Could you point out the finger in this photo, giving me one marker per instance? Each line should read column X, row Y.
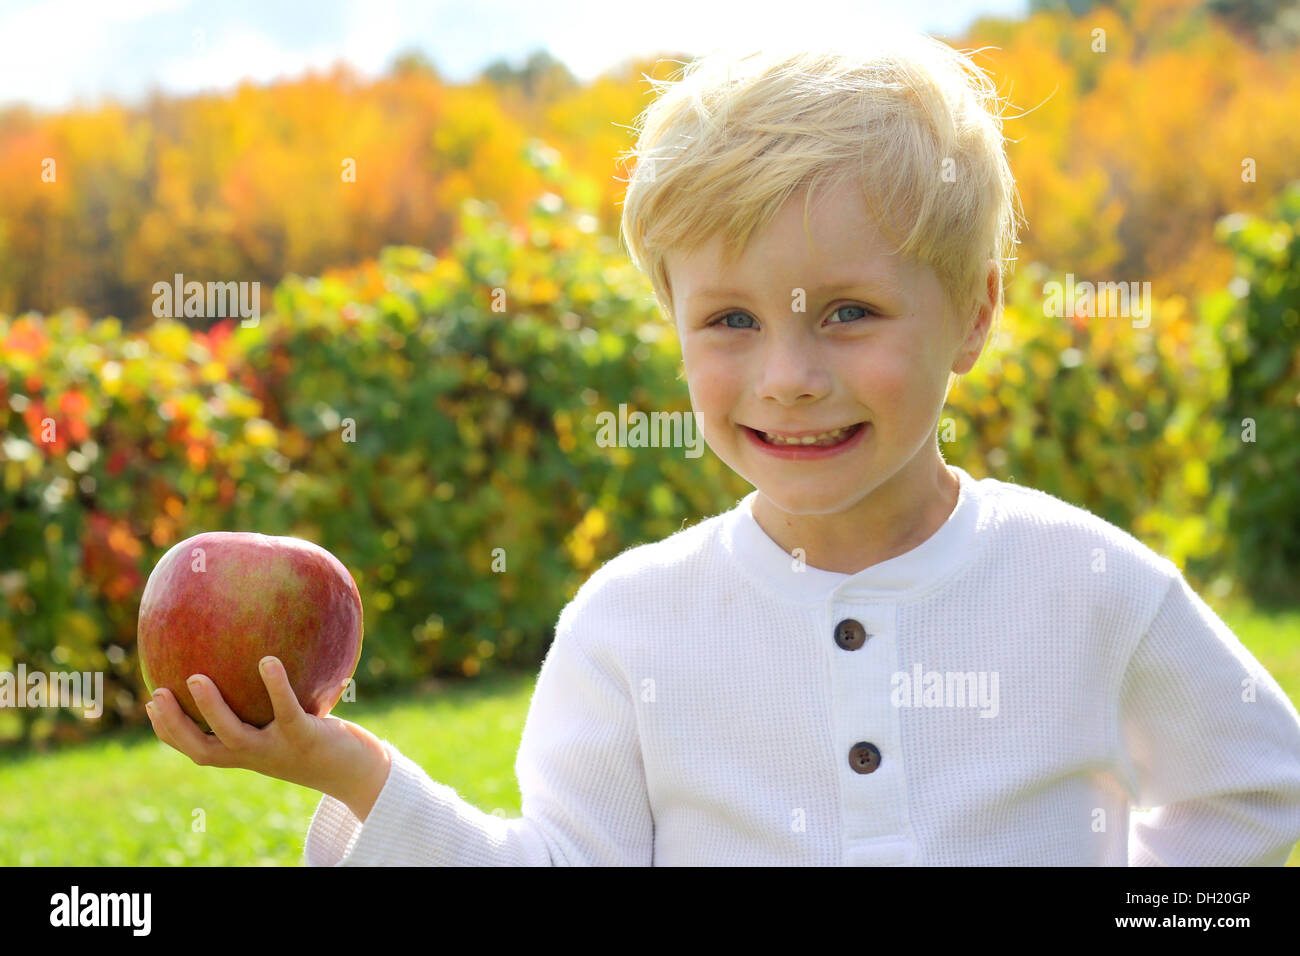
column 289, row 714
column 230, row 730
column 178, row 730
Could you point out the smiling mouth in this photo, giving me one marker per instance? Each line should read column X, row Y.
column 820, row 440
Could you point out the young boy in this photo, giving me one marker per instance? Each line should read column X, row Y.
column 873, row 659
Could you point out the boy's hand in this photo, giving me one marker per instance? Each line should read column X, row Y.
column 328, row 754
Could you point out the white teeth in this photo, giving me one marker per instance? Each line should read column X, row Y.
column 808, row 439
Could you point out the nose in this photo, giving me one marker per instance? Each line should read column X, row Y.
column 791, row 370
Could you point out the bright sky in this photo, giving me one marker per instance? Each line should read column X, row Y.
column 56, row 52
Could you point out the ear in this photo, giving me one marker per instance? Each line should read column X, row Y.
column 978, row 321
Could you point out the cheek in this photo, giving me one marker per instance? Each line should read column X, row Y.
column 713, row 401
column 881, row 378
column 713, row 379
column 891, row 385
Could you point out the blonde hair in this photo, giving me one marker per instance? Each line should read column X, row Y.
column 721, row 150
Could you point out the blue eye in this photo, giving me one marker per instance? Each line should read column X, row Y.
column 722, row 320
column 865, row 311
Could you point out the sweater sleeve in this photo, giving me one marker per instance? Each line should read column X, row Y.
column 582, row 788
column 1211, row 744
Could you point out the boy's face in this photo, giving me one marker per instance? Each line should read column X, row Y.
column 874, row 344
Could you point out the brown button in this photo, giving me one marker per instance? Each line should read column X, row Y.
column 864, row 757
column 850, row 635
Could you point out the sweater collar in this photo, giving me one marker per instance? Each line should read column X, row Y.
column 932, row 560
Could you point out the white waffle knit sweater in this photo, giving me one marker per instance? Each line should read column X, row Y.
column 697, row 707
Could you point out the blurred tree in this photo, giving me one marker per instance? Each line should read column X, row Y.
column 413, row 60
column 541, row 80
column 1269, row 23
column 1107, row 144
column 1259, row 314
column 1076, row 8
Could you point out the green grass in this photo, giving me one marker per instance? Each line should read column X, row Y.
column 131, row 800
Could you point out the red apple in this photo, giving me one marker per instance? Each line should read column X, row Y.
column 218, row 602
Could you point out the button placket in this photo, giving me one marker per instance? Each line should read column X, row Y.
column 866, row 724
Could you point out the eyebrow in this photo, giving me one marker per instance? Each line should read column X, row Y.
column 885, row 284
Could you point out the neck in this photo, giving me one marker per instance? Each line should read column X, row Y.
column 889, row 520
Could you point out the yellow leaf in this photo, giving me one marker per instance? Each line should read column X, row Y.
column 260, row 433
